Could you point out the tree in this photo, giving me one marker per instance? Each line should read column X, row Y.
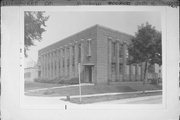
column 146, row 47
column 34, row 26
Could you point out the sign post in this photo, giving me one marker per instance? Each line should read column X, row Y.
column 79, row 69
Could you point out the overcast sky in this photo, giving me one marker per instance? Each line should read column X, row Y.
column 63, row 24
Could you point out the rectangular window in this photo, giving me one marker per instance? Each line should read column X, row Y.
column 63, row 52
column 73, row 55
column 55, row 54
column 113, row 68
column 89, row 47
column 121, row 51
column 68, row 56
column 73, row 61
column 68, row 62
column 113, row 48
column 48, row 66
column 39, row 73
column 59, row 64
column 127, row 54
column 79, row 48
column 121, row 68
column 55, row 65
column 133, row 70
column 52, row 65
column 63, row 60
column 73, row 70
column 127, row 69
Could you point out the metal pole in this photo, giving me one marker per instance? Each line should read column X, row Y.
column 79, row 68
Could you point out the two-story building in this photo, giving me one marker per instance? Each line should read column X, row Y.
column 102, row 53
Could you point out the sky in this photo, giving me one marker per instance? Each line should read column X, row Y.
column 63, row 24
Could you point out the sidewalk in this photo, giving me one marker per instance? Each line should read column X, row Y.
column 51, row 88
column 32, row 100
column 139, row 100
column 104, row 94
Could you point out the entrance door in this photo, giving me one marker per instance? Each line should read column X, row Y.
column 88, row 74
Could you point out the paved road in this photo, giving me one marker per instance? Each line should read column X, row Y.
column 140, row 100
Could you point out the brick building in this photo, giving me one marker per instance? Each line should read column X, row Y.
column 101, row 51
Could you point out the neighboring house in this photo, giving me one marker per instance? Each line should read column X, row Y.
column 102, row 52
column 30, row 73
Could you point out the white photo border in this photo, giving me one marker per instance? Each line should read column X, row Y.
column 13, row 106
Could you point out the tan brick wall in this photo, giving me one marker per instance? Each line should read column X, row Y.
column 102, row 57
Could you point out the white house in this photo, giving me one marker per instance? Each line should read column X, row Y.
column 30, row 71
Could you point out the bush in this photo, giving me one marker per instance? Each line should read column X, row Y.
column 53, row 81
column 72, row 81
column 154, row 81
column 62, row 80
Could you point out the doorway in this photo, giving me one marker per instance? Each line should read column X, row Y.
column 89, row 74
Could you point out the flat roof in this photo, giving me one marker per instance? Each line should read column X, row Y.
column 74, row 37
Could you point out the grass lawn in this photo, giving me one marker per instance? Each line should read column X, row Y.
column 86, row 90
column 94, row 99
column 37, row 85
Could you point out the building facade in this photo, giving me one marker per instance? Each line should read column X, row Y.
column 101, row 52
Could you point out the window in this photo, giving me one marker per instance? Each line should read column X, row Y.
column 113, row 48
column 48, row 66
column 63, row 62
column 89, row 47
column 55, row 54
column 79, row 48
column 139, row 70
column 73, row 61
column 59, row 64
column 55, row 67
column 113, row 67
column 120, row 68
column 73, row 55
column 63, row 53
column 39, row 73
column 63, row 59
column 133, row 70
column 68, row 62
column 121, row 51
column 127, row 53
column 68, row 52
column 52, row 65
column 68, row 57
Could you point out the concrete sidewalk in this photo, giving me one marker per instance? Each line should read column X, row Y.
column 57, row 100
column 139, row 100
column 105, row 94
column 51, row 88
